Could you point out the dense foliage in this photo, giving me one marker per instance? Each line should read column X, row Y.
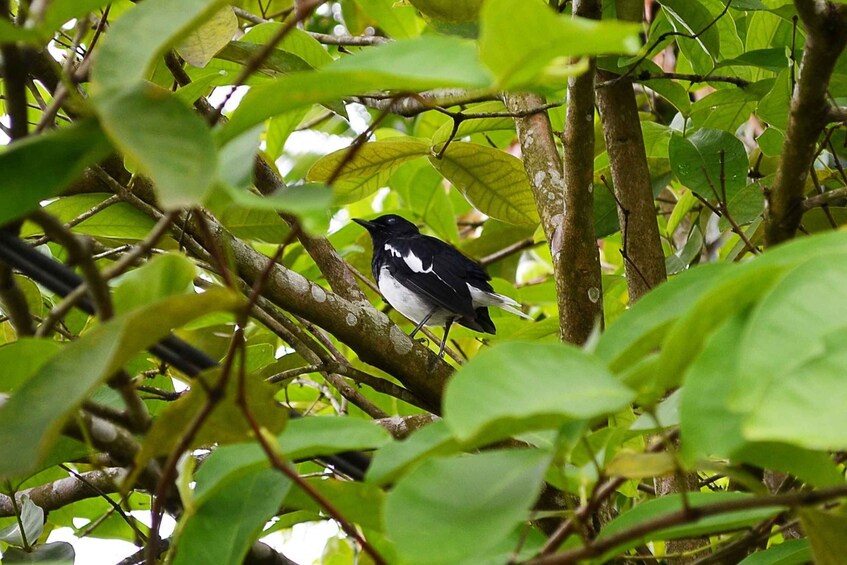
column 182, row 156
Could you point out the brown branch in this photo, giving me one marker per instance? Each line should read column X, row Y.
column 581, row 290
column 826, row 38
column 543, row 167
column 60, row 493
column 632, row 187
column 647, row 75
column 14, row 303
column 693, row 514
column 15, row 75
column 824, row 198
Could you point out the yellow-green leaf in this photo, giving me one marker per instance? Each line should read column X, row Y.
column 202, row 43
column 493, row 181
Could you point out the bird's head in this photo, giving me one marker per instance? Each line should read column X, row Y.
column 389, row 225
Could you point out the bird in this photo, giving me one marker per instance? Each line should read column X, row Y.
column 429, row 281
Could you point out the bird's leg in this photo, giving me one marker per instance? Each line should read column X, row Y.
column 444, row 340
column 422, row 322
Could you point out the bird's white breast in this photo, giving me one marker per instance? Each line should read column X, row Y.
column 407, row 302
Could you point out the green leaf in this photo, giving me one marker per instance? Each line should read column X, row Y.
column 31, row 419
column 225, row 525
column 700, row 41
column 773, row 108
column 642, row 327
column 226, row 424
column 55, row 553
column 140, row 36
column 663, row 506
column 416, row 64
column 310, row 202
column 302, row 438
column 696, row 161
column 371, row 161
column 433, row 514
column 163, row 276
column 396, row 457
column 39, row 167
column 22, row 358
column 708, row 426
column 826, row 535
column 167, row 140
column 31, row 517
column 121, row 220
column 202, row 43
column 476, row 125
column 798, row 339
column 495, row 395
column 789, row 552
column 277, row 62
column 10, row 33
column 63, row 11
column 360, row 503
column 449, row 10
column 519, row 40
column 493, row 181
column 296, row 41
column 398, row 21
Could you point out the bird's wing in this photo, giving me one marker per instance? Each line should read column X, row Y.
column 434, row 269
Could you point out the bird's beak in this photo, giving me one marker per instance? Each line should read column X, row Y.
column 365, row 224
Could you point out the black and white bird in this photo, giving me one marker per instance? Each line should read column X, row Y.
column 429, row 281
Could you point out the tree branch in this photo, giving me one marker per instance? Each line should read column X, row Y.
column 543, row 167
column 581, row 305
column 65, row 491
column 826, row 37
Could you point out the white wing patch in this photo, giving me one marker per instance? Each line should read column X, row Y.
column 391, row 250
column 414, row 262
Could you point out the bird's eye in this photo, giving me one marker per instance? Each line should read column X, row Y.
column 391, row 221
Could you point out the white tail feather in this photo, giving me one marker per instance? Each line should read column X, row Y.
column 483, row 298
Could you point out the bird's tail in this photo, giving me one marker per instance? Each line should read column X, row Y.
column 500, row 301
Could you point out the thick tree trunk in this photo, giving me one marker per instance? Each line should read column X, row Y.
column 583, row 299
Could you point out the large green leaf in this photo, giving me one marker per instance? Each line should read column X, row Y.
column 793, row 351
column 119, row 221
column 390, row 461
column 449, row 509
column 161, row 277
column 31, row 419
column 165, row 138
column 493, row 181
column 302, row 438
column 370, row 162
column 642, row 327
column 826, row 535
column 789, row 552
column 519, row 40
column 497, row 394
column 202, row 43
column 40, row 167
column 22, row 358
column 700, row 39
column 223, row 527
column 138, row 37
column 696, row 161
column 416, row 64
